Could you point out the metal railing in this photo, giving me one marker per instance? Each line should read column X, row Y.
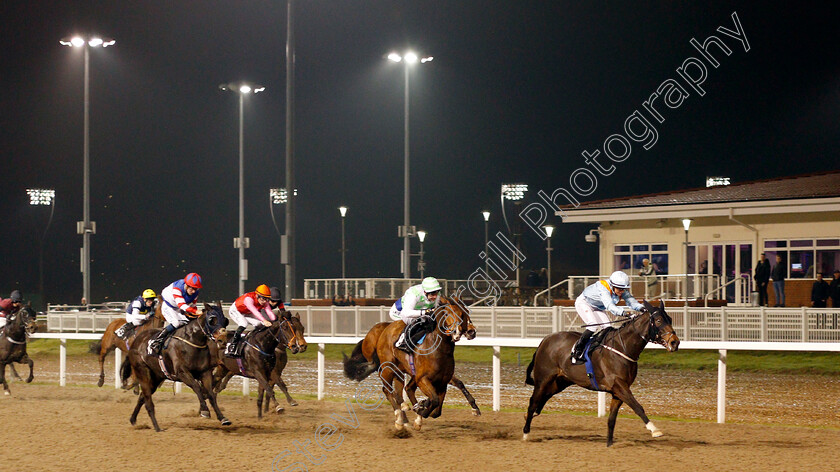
column 390, row 288
column 549, row 289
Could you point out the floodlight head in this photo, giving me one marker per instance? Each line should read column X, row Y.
column 343, row 210
column 686, row 223
column 486, row 215
column 277, row 195
column 421, row 235
column 40, row 196
column 514, row 191
column 245, row 88
column 394, row 57
column 410, row 57
column 77, row 42
column 95, row 42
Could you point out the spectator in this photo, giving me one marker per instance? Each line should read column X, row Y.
column 835, row 290
column 649, row 273
column 778, row 275
column 762, row 278
column 533, row 279
column 350, row 301
column 819, row 292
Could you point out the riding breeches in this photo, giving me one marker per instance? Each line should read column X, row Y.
column 2, row 321
column 136, row 320
column 591, row 316
column 241, row 320
column 173, row 316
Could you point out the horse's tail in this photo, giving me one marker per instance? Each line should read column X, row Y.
column 96, row 346
column 125, row 370
column 529, row 379
column 356, row 367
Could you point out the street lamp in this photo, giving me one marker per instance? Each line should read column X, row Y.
column 407, row 231
column 86, row 227
column 241, row 242
column 37, row 197
column 486, row 215
column 549, row 230
column 514, row 193
column 343, row 210
column 686, row 224
column 421, row 266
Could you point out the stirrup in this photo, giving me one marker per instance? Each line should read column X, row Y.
column 230, row 351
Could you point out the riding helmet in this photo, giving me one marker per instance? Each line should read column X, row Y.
column 264, row 291
column 15, row 296
column 275, row 295
column 193, row 280
column 149, row 293
column 619, row 279
column 430, row 284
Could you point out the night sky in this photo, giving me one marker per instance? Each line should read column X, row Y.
column 516, row 92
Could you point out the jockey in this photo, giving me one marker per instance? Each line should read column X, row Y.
column 178, row 307
column 596, row 301
column 413, row 306
column 248, row 309
column 138, row 312
column 10, row 306
column 276, row 300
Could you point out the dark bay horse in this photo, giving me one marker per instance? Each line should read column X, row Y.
column 111, row 341
column 365, row 351
column 13, row 343
column 615, row 365
column 186, row 358
column 258, row 361
column 282, row 360
column 432, row 365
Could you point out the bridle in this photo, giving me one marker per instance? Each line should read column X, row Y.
column 654, row 334
column 458, row 328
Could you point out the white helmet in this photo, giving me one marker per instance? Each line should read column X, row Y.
column 430, row 284
column 619, row 279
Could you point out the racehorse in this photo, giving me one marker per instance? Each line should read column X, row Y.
column 13, row 343
column 282, row 360
column 614, row 365
column 431, row 368
column 258, row 361
column 366, row 350
column 186, row 359
column 111, row 341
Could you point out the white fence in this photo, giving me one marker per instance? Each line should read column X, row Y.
column 380, row 287
column 721, row 329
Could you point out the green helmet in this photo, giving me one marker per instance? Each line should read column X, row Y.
column 430, row 284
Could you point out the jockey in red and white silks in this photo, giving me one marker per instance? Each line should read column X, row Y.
column 248, row 309
column 178, row 307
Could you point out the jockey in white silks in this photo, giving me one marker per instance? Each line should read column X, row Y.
column 178, row 307
column 411, row 308
column 138, row 312
column 596, row 301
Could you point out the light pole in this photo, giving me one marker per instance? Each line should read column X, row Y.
column 686, row 224
column 514, row 193
column 86, row 227
column 549, row 230
column 421, row 266
column 343, row 210
column 241, row 242
column 486, row 215
column 406, row 231
column 40, row 196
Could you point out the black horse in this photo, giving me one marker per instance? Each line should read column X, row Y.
column 258, row 361
column 614, row 364
column 282, row 360
column 13, row 343
column 186, row 359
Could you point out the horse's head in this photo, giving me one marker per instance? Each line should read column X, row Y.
column 660, row 330
column 284, row 331
column 215, row 321
column 24, row 317
column 452, row 317
column 299, row 330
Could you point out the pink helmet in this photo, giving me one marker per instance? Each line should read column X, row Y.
column 193, row 280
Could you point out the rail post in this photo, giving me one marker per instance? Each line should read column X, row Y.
column 721, row 387
column 497, row 378
column 321, row 350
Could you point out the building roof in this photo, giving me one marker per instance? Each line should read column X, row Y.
column 818, row 185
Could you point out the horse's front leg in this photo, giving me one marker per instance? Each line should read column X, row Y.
column 434, row 398
column 282, row 386
column 14, row 372
column 207, row 385
column 456, row 382
column 26, row 360
column 392, row 387
column 187, row 378
column 615, row 405
column 624, row 394
column 3, row 379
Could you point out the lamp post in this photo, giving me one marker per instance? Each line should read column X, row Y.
column 406, row 231
column 421, row 266
column 241, row 242
column 686, row 224
column 40, row 196
column 343, row 210
column 514, row 193
column 86, row 227
column 549, row 230
column 486, row 215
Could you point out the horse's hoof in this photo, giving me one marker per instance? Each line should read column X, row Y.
column 656, row 433
column 100, row 383
column 29, row 380
column 293, row 403
column 398, row 425
column 226, row 422
column 476, row 412
column 525, row 437
column 6, row 393
column 406, row 406
column 418, row 423
column 204, row 414
column 279, row 410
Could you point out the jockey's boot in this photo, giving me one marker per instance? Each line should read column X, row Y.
column 124, row 331
column 580, row 345
column 401, row 343
column 156, row 344
column 233, row 346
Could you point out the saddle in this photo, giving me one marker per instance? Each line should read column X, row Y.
column 416, row 333
column 596, row 341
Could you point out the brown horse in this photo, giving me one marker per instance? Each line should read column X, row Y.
column 258, row 361
column 433, row 364
column 282, row 360
column 111, row 341
column 366, row 350
column 13, row 343
column 615, row 364
column 186, row 359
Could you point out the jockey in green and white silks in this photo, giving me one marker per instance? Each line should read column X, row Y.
column 412, row 306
